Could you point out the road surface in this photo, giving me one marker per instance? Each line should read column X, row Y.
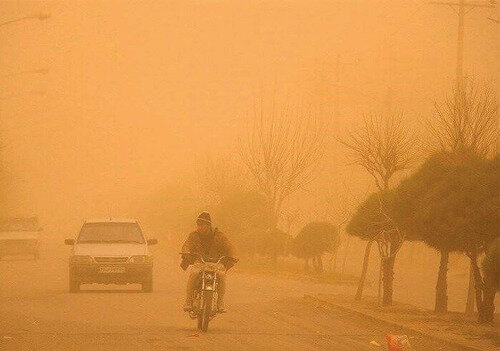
column 265, row 313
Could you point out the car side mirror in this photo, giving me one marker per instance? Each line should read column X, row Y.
column 152, row 242
column 69, row 242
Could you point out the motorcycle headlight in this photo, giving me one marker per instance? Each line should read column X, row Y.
column 81, row 259
column 140, row 259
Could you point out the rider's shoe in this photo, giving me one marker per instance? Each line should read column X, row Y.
column 221, row 308
column 187, row 307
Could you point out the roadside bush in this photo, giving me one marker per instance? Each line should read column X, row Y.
column 315, row 239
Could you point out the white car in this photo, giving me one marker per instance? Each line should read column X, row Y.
column 20, row 236
column 110, row 251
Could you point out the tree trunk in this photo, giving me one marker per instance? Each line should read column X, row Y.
column 488, row 308
column 273, row 242
column 333, row 262
column 362, row 278
column 491, row 277
column 484, row 296
column 379, row 282
column 274, row 257
column 441, row 303
column 469, row 307
column 478, row 284
column 346, row 252
column 388, row 278
column 306, row 264
column 320, row 263
column 315, row 264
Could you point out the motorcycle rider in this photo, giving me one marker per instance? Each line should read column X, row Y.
column 209, row 243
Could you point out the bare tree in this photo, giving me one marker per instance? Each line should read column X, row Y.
column 383, row 146
column 291, row 218
column 219, row 175
column 467, row 121
column 282, row 150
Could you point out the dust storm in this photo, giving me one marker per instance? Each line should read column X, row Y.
column 345, row 152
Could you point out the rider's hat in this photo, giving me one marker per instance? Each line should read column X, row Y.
column 204, row 217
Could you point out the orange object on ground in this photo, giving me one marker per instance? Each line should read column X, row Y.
column 397, row 342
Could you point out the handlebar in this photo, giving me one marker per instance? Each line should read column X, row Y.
column 211, row 260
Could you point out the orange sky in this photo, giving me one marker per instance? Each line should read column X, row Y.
column 139, row 91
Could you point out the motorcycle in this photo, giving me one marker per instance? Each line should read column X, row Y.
column 205, row 295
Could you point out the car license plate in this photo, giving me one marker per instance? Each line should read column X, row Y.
column 111, row 269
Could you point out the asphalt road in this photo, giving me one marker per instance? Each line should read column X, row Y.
column 265, row 313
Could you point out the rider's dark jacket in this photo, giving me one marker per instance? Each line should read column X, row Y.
column 213, row 245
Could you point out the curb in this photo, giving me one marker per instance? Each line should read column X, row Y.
column 391, row 323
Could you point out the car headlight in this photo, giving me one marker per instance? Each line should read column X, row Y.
column 80, row 259
column 140, row 259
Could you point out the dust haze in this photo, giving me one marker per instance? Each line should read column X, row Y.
column 158, row 110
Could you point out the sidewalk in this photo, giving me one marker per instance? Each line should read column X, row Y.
column 454, row 329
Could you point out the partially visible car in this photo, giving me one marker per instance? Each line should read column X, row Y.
column 110, row 251
column 20, row 236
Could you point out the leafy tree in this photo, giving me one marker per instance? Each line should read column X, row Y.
column 414, row 196
column 315, row 239
column 451, row 203
column 466, row 122
column 374, row 221
column 383, row 145
column 369, row 219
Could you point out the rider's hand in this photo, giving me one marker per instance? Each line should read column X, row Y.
column 187, row 260
column 184, row 264
column 188, row 257
column 229, row 262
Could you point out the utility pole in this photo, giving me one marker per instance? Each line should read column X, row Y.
column 322, row 89
column 329, row 103
column 462, row 8
column 460, row 43
column 41, row 16
column 336, row 102
column 340, row 64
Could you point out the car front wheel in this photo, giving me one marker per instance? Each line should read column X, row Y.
column 74, row 285
column 147, row 285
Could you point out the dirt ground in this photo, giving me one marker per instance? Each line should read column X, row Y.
column 455, row 327
column 265, row 312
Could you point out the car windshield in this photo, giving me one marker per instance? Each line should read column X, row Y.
column 19, row 225
column 111, row 233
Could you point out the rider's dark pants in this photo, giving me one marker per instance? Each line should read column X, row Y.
column 194, row 281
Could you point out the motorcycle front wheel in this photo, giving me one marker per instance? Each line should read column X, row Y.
column 206, row 310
